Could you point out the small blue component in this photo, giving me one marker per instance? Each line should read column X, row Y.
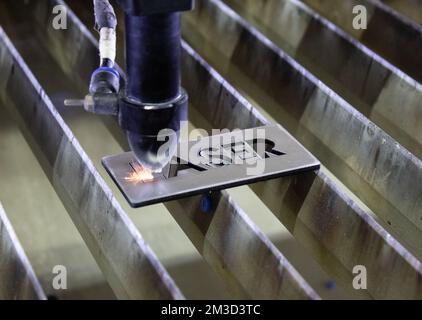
column 206, row 204
column 330, row 284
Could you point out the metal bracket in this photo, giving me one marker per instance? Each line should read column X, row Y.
column 213, row 163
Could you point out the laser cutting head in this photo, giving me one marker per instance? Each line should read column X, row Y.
column 153, row 130
column 149, row 101
column 154, row 102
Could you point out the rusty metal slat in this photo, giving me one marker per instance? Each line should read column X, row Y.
column 367, row 160
column 378, row 89
column 128, row 263
column 17, row 278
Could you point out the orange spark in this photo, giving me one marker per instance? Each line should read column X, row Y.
column 139, row 174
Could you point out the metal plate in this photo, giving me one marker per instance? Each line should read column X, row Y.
column 214, row 163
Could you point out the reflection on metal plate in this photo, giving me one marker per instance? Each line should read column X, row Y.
column 213, row 163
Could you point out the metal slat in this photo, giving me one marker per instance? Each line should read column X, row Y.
column 404, row 52
column 17, row 278
column 410, row 8
column 379, row 90
column 289, row 83
column 128, row 263
column 324, row 223
column 238, row 250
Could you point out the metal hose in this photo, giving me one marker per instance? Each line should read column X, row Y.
column 106, row 23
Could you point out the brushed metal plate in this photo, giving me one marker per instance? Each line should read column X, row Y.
column 218, row 162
